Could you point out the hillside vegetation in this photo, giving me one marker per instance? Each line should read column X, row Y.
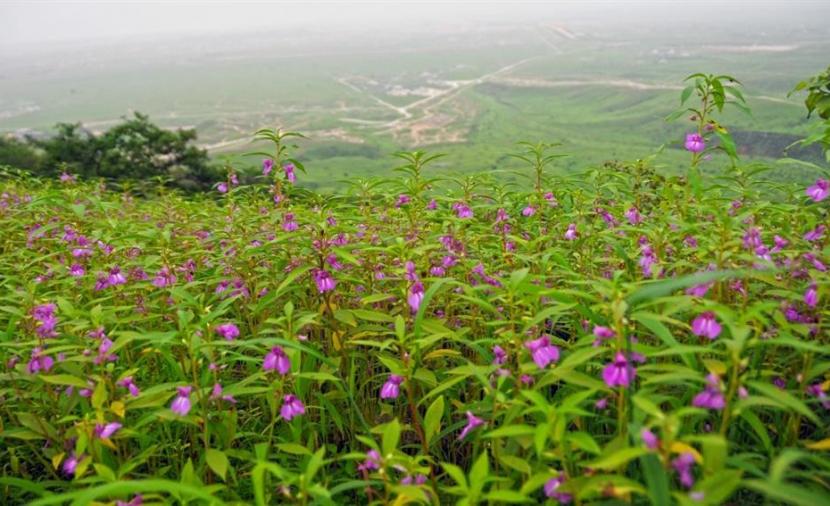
column 616, row 335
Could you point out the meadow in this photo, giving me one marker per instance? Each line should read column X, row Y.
column 617, row 335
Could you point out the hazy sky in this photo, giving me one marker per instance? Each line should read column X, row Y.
column 25, row 24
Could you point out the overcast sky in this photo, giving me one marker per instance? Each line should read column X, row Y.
column 35, row 22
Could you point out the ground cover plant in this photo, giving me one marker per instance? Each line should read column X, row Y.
column 617, row 336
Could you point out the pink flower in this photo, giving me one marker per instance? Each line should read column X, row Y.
column 128, row 383
column 277, row 360
column 105, row 431
column 70, row 464
column 552, row 490
column 500, row 356
column 633, row 216
column 705, row 325
column 571, row 233
column 391, row 389
column 683, row 464
column 181, row 404
column 528, row 211
column 228, row 330
column 650, row 439
column 695, row 143
column 372, row 462
column 542, row 351
column 222, row 187
column 711, row 397
column 618, row 373
column 416, row 296
column 819, row 190
column 291, row 407
column 472, row 422
column 324, row 281
column 289, row 172
column 267, row 166
column 811, row 296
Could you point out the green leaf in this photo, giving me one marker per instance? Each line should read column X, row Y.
column 218, row 462
column 391, row 436
column 616, row 459
column 784, row 399
column 657, row 479
column 432, row 419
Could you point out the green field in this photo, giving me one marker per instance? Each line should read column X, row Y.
column 471, row 94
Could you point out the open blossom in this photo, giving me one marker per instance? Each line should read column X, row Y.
column 633, row 216
column 462, row 210
column 819, row 191
column 472, row 422
column 76, row 270
column 39, row 362
column 618, row 373
column 181, row 404
column 46, row 321
column 415, row 296
column 277, row 360
column 694, row 143
column 683, row 464
column 222, row 187
column 391, row 389
column 811, row 296
column 291, row 407
column 815, row 234
column 499, row 355
column 228, row 330
column 289, row 172
column 105, row 431
column 288, row 223
column 542, row 351
column 216, row 394
column 267, row 166
column 711, row 397
column 324, row 281
column 705, row 325
column 528, row 211
column 552, row 490
column 130, row 385
column 165, row 277
column 651, row 441
column 571, row 233
column 70, row 464
column 372, row 462
column 403, row 199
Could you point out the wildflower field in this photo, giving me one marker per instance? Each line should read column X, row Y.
column 617, row 336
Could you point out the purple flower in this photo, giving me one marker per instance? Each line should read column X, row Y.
column 419, row 479
column 462, row 210
column 267, row 166
column 216, row 394
column 105, row 431
column 472, row 422
column 711, row 396
column 683, row 464
column 815, row 234
column 705, row 325
column 403, row 199
column 633, row 216
column 528, row 211
column 416, row 296
column 67, row 178
column 137, row 500
column 602, row 333
column 228, row 330
column 500, row 356
column 70, row 464
column 181, row 404
column 433, row 205
column 571, row 233
column 324, row 281
column 811, row 296
column 694, row 143
column 115, row 277
column 618, row 373
column 372, row 462
column 44, row 315
column 277, row 360
column 164, row 278
column 649, row 439
column 291, row 407
column 819, row 190
column 542, row 351
column 552, row 490
column 222, row 187
column 39, row 362
column 289, row 172
column 76, row 270
column 128, row 383
column 391, row 389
